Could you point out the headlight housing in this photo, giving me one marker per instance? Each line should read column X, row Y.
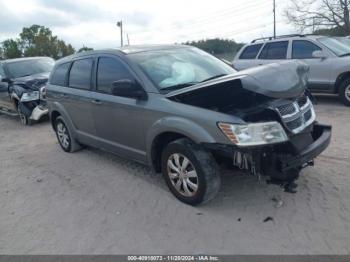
column 254, row 134
column 30, row 96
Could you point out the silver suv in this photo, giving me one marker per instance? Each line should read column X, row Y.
column 185, row 113
column 328, row 58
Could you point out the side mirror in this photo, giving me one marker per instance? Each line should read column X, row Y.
column 128, row 88
column 318, row 54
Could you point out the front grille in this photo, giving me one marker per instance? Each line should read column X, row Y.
column 302, row 101
column 286, row 109
column 308, row 115
column 297, row 115
column 294, row 124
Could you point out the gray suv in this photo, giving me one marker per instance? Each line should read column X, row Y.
column 187, row 115
column 328, row 58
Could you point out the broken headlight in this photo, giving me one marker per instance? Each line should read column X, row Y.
column 30, row 96
column 254, row 134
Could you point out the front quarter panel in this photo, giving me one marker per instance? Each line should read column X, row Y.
column 198, row 124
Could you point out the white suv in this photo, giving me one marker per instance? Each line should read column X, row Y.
column 328, row 58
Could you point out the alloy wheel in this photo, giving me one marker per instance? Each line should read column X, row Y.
column 182, row 174
column 347, row 92
column 63, row 135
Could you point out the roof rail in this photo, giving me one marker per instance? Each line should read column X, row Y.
column 277, row 37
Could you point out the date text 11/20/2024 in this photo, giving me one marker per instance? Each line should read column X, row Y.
column 174, row 258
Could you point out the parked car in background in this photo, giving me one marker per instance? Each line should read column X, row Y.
column 328, row 58
column 184, row 112
column 22, row 84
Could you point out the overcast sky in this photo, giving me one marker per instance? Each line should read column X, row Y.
column 93, row 22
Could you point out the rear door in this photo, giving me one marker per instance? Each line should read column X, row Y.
column 247, row 58
column 320, row 68
column 273, row 52
column 74, row 93
column 118, row 120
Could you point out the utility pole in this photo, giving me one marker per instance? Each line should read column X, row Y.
column 127, row 36
column 274, row 18
column 120, row 24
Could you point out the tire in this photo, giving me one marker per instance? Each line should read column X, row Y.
column 190, row 187
column 64, row 136
column 344, row 92
column 26, row 121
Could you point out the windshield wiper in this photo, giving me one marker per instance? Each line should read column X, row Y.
column 346, row 54
column 178, row 86
column 213, row 77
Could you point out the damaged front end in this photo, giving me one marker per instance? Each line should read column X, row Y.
column 280, row 135
column 29, row 96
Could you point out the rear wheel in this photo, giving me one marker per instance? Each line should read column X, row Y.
column 65, row 139
column 190, row 172
column 344, row 92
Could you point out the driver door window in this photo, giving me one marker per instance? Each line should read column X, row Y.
column 110, row 70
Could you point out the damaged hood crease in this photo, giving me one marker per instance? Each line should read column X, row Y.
column 32, row 82
column 287, row 79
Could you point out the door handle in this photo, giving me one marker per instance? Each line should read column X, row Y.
column 96, row 102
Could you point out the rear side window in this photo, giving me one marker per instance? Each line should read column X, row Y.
column 59, row 76
column 80, row 74
column 109, row 70
column 303, row 49
column 274, row 50
column 250, row 52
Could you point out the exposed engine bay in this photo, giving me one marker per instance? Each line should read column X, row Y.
column 295, row 113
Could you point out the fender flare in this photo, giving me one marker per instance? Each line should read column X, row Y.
column 56, row 106
column 177, row 125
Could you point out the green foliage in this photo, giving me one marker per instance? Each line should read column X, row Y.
column 36, row 40
column 217, row 46
column 84, row 49
column 335, row 31
column 11, row 49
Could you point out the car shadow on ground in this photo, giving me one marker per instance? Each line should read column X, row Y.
column 236, row 188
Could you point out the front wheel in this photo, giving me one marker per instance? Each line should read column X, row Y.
column 190, row 172
column 344, row 92
column 26, row 121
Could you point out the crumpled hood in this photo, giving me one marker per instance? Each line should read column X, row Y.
column 32, row 82
column 286, row 79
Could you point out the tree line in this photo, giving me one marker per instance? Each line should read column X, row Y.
column 37, row 40
column 217, row 46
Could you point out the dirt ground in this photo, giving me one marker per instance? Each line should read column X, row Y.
column 92, row 202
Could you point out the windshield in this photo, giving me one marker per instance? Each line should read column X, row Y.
column 30, row 67
column 336, row 45
column 179, row 67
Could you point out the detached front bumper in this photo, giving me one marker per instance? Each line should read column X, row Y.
column 283, row 161
column 322, row 138
column 34, row 110
column 38, row 112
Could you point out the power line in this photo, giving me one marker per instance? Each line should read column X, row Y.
column 204, row 21
column 233, row 24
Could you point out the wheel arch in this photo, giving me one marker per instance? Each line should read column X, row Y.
column 56, row 110
column 341, row 77
column 53, row 116
column 170, row 129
